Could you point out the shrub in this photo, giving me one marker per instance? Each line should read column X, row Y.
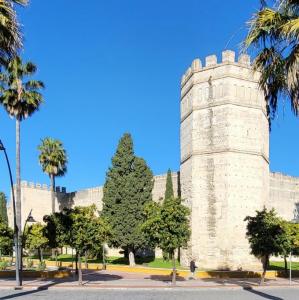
column 29, row 263
column 41, row 266
column 3, row 265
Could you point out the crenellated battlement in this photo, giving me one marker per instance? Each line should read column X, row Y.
column 228, row 57
column 39, row 186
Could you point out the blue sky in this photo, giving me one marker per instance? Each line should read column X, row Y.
column 115, row 66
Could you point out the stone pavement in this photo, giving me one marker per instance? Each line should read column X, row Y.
column 116, row 279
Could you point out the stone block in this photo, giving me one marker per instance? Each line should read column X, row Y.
column 228, row 56
column 211, row 60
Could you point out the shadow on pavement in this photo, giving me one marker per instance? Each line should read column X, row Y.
column 88, row 277
column 20, row 294
column 261, row 294
column 164, row 278
column 246, row 284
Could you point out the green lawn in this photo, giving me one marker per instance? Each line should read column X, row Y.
column 148, row 262
column 279, row 265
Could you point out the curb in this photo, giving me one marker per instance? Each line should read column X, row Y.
column 146, row 287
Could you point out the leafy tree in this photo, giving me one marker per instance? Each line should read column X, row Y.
column 53, row 160
column 6, row 238
column 167, row 227
column 104, row 232
column 20, row 98
column 35, row 239
column 274, row 33
column 266, row 236
column 290, row 241
column 128, row 187
column 10, row 34
column 169, row 186
column 168, row 194
column 58, row 229
column 3, row 209
column 87, row 231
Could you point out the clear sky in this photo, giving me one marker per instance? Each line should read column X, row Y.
column 115, row 66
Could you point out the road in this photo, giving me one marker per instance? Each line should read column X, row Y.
column 155, row 294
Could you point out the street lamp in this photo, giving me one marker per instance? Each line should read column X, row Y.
column 16, row 229
column 29, row 219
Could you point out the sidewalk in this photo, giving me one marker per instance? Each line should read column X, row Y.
column 113, row 279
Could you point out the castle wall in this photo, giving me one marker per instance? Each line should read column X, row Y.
column 38, row 198
column 224, row 159
column 284, row 195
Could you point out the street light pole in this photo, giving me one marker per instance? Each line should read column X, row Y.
column 29, row 219
column 16, row 229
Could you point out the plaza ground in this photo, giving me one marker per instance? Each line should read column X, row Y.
column 122, row 279
column 150, row 294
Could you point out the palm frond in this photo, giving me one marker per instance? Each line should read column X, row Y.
column 274, row 33
column 20, row 99
column 10, row 34
column 53, row 157
column 34, row 85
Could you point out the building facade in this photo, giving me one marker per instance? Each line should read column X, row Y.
column 224, row 173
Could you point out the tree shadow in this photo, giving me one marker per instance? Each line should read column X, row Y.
column 90, row 276
column 261, row 294
column 65, row 200
column 247, row 285
column 24, row 293
column 165, row 278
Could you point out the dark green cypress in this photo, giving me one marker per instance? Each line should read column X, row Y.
column 169, row 186
column 128, row 187
column 3, row 209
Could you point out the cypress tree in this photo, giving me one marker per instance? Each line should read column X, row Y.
column 3, row 209
column 128, row 187
column 169, row 186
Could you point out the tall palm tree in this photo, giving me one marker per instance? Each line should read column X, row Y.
column 10, row 35
column 20, row 97
column 53, row 160
column 274, row 34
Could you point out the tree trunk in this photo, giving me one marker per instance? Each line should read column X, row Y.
column 104, row 260
column 76, row 261
column 52, row 192
column 86, row 265
column 285, row 265
column 80, row 270
column 173, row 281
column 131, row 258
column 39, row 254
column 265, row 262
column 52, row 179
column 18, row 194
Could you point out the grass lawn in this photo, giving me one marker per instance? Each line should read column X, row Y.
column 279, row 265
column 113, row 260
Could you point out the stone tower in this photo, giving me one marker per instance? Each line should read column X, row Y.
column 224, row 158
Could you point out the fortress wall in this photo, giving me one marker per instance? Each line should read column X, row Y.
column 284, row 195
column 224, row 158
column 38, row 198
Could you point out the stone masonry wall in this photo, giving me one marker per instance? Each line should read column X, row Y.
column 38, row 197
column 284, row 195
column 224, row 158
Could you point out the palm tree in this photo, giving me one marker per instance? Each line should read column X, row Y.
column 10, row 35
column 53, row 160
column 274, row 33
column 20, row 98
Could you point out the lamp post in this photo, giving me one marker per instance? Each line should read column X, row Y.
column 29, row 219
column 16, row 229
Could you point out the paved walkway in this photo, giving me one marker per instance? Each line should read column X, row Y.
column 113, row 279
